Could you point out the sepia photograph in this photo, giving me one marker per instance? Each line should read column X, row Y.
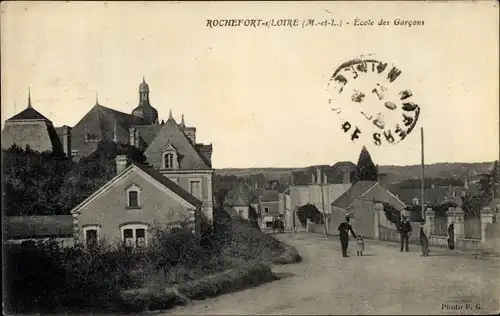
column 250, row 157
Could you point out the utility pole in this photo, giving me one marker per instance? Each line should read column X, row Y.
column 323, row 201
column 422, row 183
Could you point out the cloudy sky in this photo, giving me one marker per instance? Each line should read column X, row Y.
column 259, row 94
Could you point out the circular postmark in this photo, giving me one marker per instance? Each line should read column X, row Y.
column 371, row 103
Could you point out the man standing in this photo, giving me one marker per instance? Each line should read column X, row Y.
column 344, row 229
column 404, row 231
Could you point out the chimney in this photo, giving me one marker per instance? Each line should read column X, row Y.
column 312, row 178
column 291, row 179
column 121, row 163
column 132, row 136
column 66, row 140
column 318, row 175
column 346, row 176
column 325, row 179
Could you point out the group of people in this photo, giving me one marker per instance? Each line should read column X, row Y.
column 404, row 229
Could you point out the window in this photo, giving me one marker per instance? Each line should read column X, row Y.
column 134, row 235
column 195, row 188
column 133, row 199
column 91, row 235
column 169, row 157
column 415, row 201
column 266, row 209
column 133, row 196
column 169, row 161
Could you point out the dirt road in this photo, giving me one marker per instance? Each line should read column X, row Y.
column 384, row 281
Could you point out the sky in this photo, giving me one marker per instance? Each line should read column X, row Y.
column 259, row 95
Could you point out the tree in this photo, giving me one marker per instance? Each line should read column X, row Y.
column 366, row 169
column 490, row 183
column 31, row 181
column 95, row 170
column 309, row 211
column 253, row 217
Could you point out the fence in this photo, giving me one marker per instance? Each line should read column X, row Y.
column 472, row 228
column 440, row 226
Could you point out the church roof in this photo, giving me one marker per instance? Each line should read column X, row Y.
column 29, row 114
column 101, row 122
column 190, row 157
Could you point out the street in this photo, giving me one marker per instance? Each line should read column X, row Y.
column 383, row 281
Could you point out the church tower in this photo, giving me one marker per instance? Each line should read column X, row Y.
column 145, row 110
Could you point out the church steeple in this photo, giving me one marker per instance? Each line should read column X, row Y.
column 144, row 110
column 29, row 97
column 144, row 91
column 170, row 117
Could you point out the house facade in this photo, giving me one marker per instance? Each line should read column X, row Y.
column 128, row 206
column 358, row 201
column 319, row 192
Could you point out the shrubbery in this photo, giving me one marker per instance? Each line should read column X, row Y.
column 44, row 277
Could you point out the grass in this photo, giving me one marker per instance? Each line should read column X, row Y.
column 175, row 268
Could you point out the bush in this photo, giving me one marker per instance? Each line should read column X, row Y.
column 228, row 281
column 43, row 277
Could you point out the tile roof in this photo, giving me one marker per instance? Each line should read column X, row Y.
column 432, row 196
column 270, row 196
column 169, row 184
column 170, row 132
column 25, row 227
column 355, row 191
column 29, row 114
column 101, row 121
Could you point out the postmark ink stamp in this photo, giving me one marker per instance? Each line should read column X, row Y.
column 370, row 102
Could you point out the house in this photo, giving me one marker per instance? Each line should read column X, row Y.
column 319, row 192
column 358, row 201
column 30, row 128
column 19, row 229
column 135, row 200
column 433, row 195
column 270, row 207
column 237, row 199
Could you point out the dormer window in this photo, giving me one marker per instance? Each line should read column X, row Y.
column 169, row 161
column 133, row 197
column 170, row 158
column 415, row 201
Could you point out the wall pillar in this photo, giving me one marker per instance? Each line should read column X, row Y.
column 430, row 216
column 378, row 208
column 456, row 216
column 486, row 218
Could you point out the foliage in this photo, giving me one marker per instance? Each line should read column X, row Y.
column 31, row 181
column 309, row 211
column 391, row 213
column 253, row 217
column 428, row 182
column 95, row 170
column 489, row 186
column 366, row 169
column 46, row 278
column 441, row 209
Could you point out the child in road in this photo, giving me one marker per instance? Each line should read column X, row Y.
column 361, row 245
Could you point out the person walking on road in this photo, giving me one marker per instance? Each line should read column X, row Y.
column 404, row 231
column 344, row 229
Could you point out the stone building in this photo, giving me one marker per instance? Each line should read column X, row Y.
column 31, row 128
